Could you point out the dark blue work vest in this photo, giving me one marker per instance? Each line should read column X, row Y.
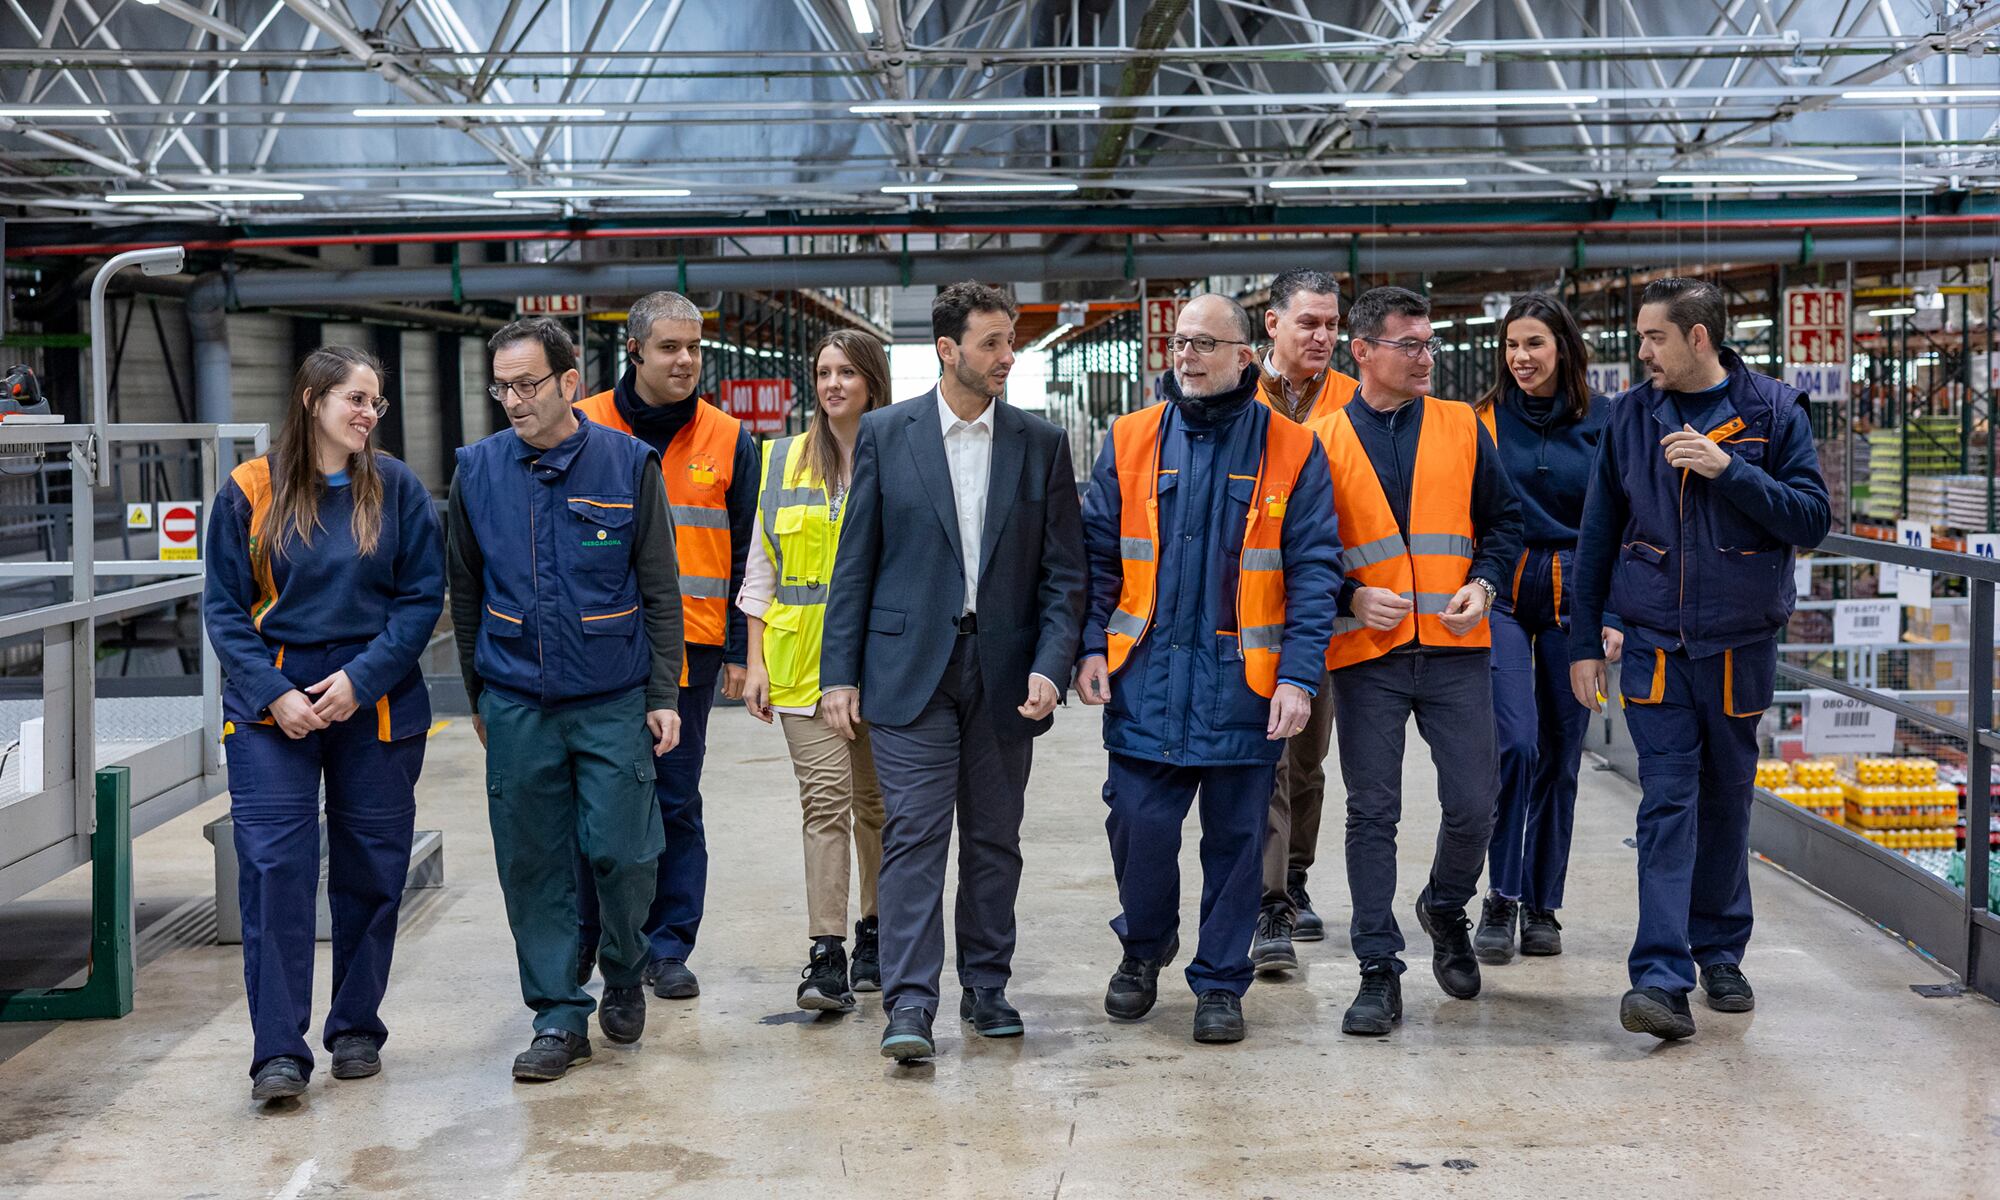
column 562, row 622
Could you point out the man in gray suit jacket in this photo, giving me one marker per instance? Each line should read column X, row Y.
column 956, row 605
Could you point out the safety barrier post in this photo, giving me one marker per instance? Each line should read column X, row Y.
column 107, row 989
column 1978, row 774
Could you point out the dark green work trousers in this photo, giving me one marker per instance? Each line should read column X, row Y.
column 560, row 784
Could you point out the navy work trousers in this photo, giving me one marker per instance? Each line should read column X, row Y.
column 1149, row 803
column 371, row 815
column 1694, row 724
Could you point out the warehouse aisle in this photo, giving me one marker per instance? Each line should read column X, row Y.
column 1844, row 1082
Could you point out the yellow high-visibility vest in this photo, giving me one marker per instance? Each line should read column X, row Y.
column 802, row 535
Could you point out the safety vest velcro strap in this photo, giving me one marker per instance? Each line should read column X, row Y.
column 1263, row 560
column 1133, row 549
column 799, row 595
column 1262, row 637
column 704, row 587
column 1369, row 553
column 1125, row 624
column 1441, row 543
column 1432, row 603
column 694, row 516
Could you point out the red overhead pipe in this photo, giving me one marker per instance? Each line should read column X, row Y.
column 628, row 234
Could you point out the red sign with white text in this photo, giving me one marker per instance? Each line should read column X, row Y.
column 761, row 404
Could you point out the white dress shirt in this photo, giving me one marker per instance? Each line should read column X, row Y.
column 968, row 452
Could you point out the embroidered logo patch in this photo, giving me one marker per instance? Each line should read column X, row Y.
column 702, row 471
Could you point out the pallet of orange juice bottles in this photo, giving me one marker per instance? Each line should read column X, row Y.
column 1813, row 785
column 1899, row 804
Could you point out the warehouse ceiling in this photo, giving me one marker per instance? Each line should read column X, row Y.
column 299, row 111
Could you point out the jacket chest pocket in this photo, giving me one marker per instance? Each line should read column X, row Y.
column 597, row 543
column 1239, row 493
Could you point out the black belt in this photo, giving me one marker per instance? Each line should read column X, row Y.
column 968, row 623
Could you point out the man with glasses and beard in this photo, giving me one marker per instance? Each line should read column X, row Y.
column 1429, row 530
column 566, row 608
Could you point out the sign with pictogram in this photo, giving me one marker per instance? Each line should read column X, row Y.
column 1815, row 325
column 138, row 516
column 180, row 523
column 1161, row 314
column 761, row 404
column 548, row 306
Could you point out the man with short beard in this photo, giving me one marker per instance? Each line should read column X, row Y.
column 1212, row 555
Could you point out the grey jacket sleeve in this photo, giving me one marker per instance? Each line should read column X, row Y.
column 658, row 568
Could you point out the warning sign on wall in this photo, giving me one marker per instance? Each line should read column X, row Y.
column 180, row 525
column 1161, row 315
column 138, row 516
column 1815, row 325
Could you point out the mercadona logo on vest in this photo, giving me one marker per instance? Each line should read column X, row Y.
column 603, row 538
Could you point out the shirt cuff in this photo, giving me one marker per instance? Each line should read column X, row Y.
column 839, row 687
column 1310, row 689
column 1045, row 679
column 753, row 606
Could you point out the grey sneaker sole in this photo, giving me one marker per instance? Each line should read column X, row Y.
column 1640, row 1013
column 867, row 985
column 906, row 1047
column 814, row 1000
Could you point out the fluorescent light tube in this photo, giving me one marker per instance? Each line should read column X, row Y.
column 862, row 16
column 971, row 108
column 523, row 111
column 1759, row 177
column 1355, row 182
column 1892, row 312
column 1923, row 93
column 587, row 193
column 197, row 197
column 30, row 112
column 1754, row 323
column 1477, row 100
column 1442, row 324
column 910, row 189
column 1478, row 321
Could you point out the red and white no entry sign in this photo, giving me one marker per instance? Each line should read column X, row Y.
column 179, row 525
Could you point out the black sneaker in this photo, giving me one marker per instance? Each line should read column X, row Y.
column 1494, row 942
column 280, row 1079
column 1218, row 1017
column 1541, row 933
column 989, row 1012
column 670, row 979
column 864, row 971
column 550, row 1056
column 622, row 1013
column 1378, row 1005
column 1726, row 989
column 825, row 988
column 586, row 964
column 1306, row 924
column 1271, row 947
column 356, row 1056
column 1657, row 1011
column 1135, row 986
column 908, row 1035
column 1452, row 960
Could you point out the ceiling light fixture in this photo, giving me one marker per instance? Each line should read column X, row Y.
column 1754, row 323
column 911, row 189
column 1442, row 324
column 1478, row 321
column 430, row 112
column 199, row 197
column 1759, row 177
column 589, row 193
column 1923, row 93
column 1043, row 342
column 862, row 16
column 1472, row 100
column 971, row 108
column 33, row 112
column 1354, row 182
column 1892, row 312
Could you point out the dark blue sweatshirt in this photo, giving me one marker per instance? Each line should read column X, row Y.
column 324, row 593
column 1547, row 456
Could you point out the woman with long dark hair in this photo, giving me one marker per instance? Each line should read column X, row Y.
column 800, row 505
column 325, row 580
column 1546, row 423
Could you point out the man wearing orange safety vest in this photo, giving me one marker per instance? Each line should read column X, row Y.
column 1209, row 525
column 1429, row 527
column 1298, row 380
column 710, row 464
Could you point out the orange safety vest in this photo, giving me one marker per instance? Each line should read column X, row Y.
column 1429, row 568
column 697, row 466
column 1260, row 578
column 1335, row 390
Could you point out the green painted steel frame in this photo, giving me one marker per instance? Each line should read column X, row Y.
column 107, row 990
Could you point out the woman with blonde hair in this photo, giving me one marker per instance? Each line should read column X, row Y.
column 805, row 481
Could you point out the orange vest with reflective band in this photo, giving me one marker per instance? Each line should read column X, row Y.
column 1433, row 564
column 1334, row 393
column 697, row 466
column 1260, row 579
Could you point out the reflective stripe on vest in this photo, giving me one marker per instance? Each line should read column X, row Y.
column 1432, row 566
column 802, row 535
column 1260, row 586
column 696, row 466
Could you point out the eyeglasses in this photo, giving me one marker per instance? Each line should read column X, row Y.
column 1202, row 343
column 1409, row 349
column 524, row 388
column 363, row 402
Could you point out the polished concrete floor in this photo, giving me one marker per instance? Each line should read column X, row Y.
column 1843, row 1083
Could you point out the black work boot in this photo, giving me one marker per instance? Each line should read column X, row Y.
column 356, row 1056
column 1541, row 933
column 1271, row 946
column 1218, row 1017
column 1726, row 989
column 280, row 1079
column 622, row 1013
column 864, row 970
column 989, row 1012
column 1306, row 924
column 1379, row 1004
column 1657, row 1011
column 550, row 1056
column 1494, row 942
column 908, row 1035
column 825, row 987
column 1135, row 986
column 670, row 979
column 1452, row 960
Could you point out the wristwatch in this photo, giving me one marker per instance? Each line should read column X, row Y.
column 1492, row 593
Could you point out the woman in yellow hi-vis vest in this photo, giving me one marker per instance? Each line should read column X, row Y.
column 784, row 595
